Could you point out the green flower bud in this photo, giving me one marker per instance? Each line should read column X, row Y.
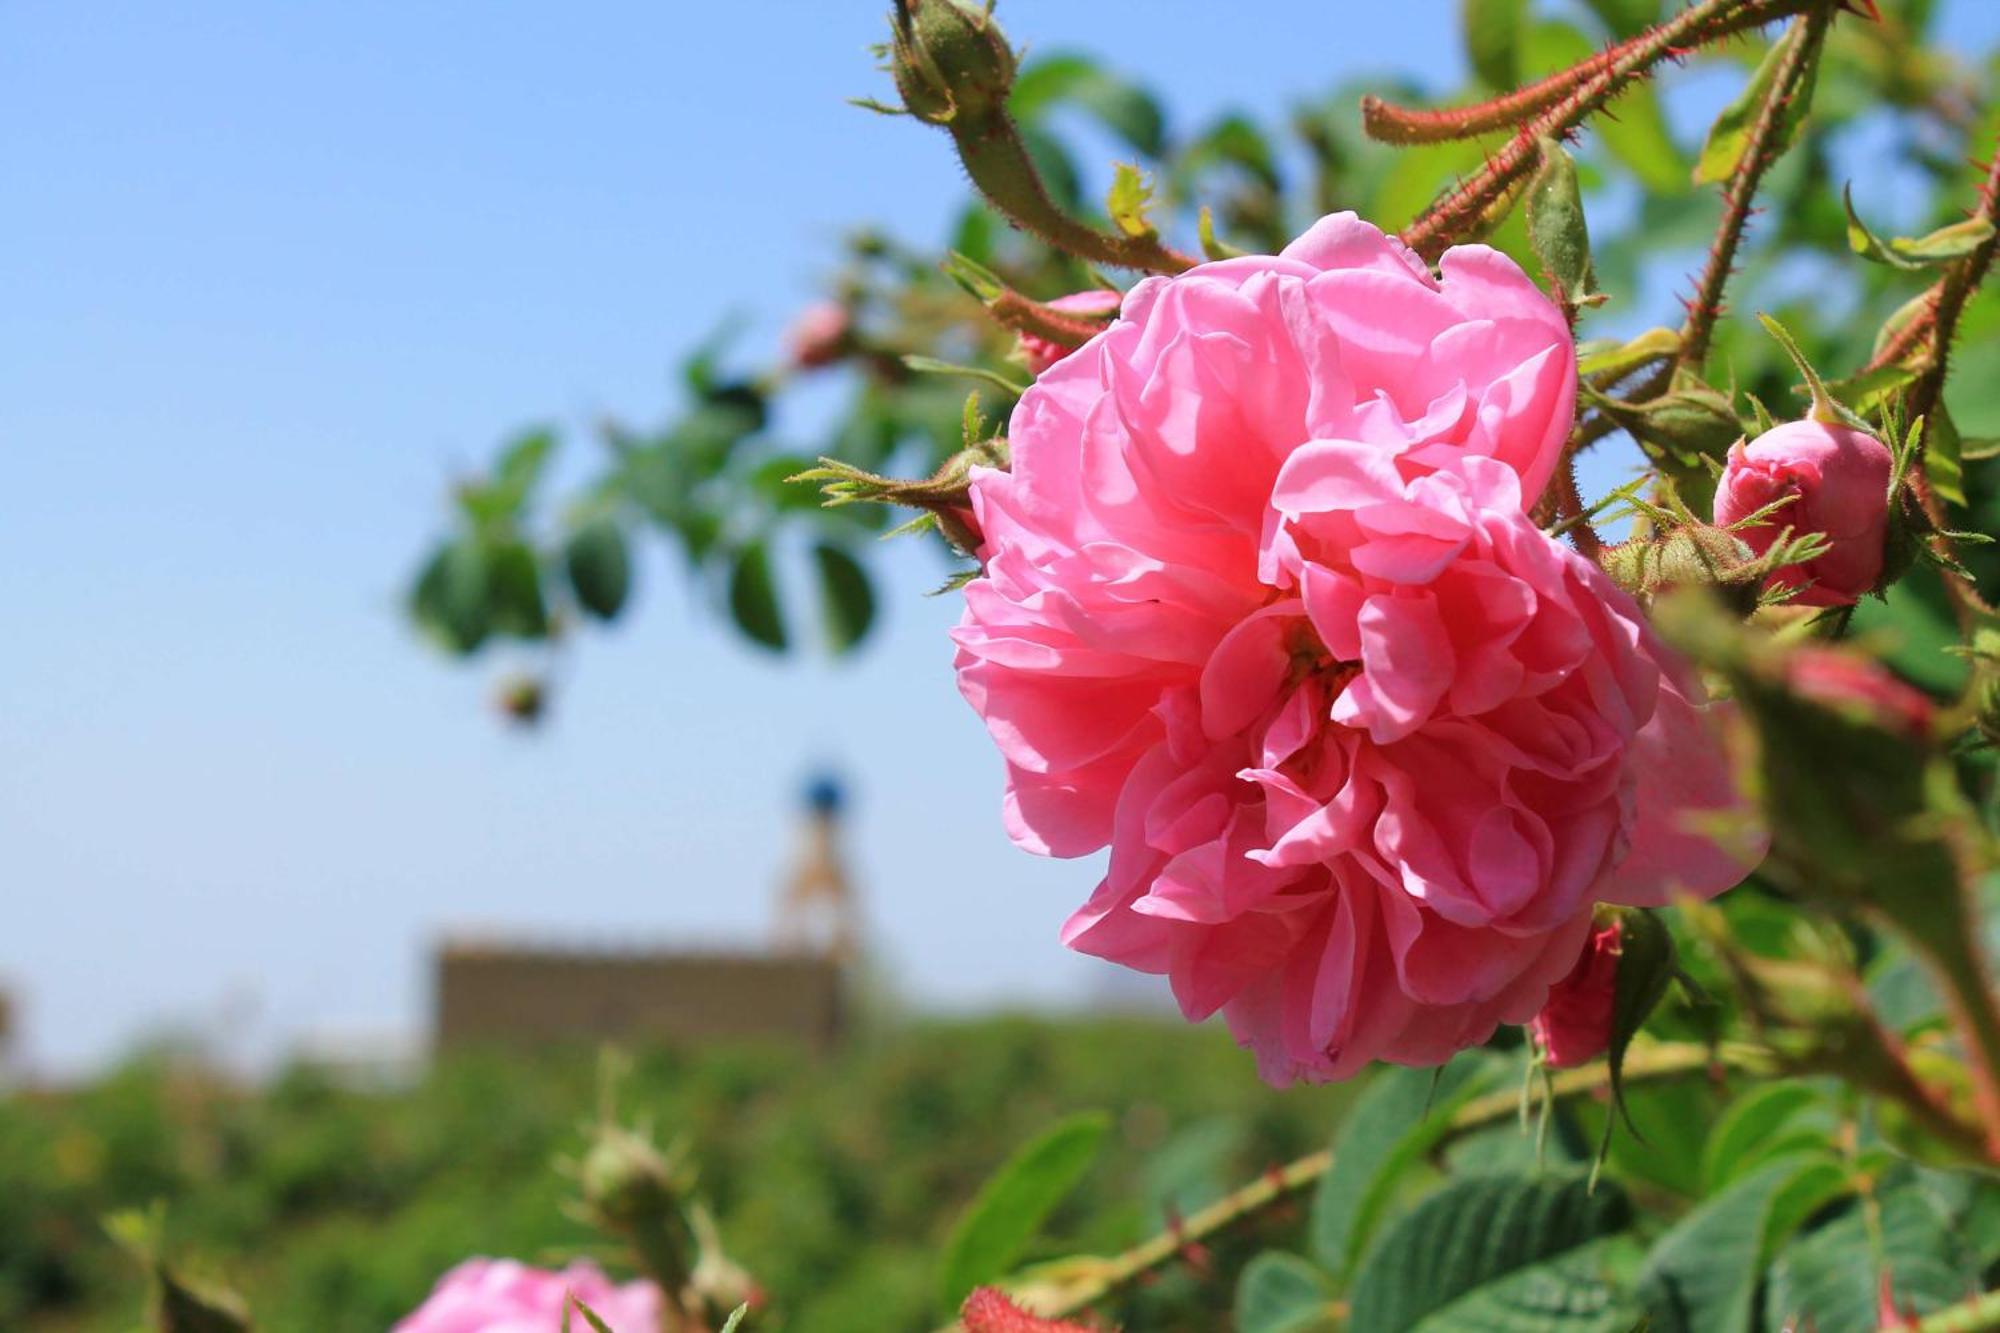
column 950, row 63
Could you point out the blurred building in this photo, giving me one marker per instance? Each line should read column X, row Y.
column 533, row 992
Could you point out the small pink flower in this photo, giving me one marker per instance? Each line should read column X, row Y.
column 1840, row 478
column 1040, row 353
column 1262, row 611
column 820, row 335
column 1861, row 686
column 503, row 1296
column 1574, row 1027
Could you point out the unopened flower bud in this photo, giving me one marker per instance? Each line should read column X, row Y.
column 951, row 62
column 1837, row 481
column 1040, row 353
column 1574, row 1026
column 987, row 1310
column 822, row 334
column 626, row 1181
column 1860, row 687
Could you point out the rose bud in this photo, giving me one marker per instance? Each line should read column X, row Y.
column 1097, row 304
column 1574, row 1026
column 500, row 1293
column 1861, row 687
column 820, row 336
column 1838, row 478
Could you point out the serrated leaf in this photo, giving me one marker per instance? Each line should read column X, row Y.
column 1475, row 1231
column 1584, row 1290
column 753, row 598
column 1010, row 1208
column 599, row 567
column 846, row 597
column 1557, row 230
column 1492, row 31
column 1702, row 1275
column 1728, row 139
column 1830, row 1279
column 1283, row 1293
column 1398, row 1118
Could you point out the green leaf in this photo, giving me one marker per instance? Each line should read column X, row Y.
column 1615, row 360
column 1282, row 1293
column 1729, row 137
column 846, row 598
column 1944, row 462
column 1397, row 1119
column 736, row 1318
column 448, row 600
column 930, row 365
column 1747, row 1131
column 1702, row 1275
column 1557, row 230
column 1626, row 18
column 753, row 598
column 1124, row 108
column 1829, row 1280
column 599, row 567
column 1474, row 1231
column 1901, row 252
column 1492, row 31
column 1011, row 1207
column 1128, row 200
column 514, row 591
column 1584, row 1290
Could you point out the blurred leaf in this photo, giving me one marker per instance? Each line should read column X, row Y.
column 1282, row 1293
column 599, row 567
column 1124, row 108
column 1830, row 1279
column 1943, row 466
column 1237, row 141
column 736, row 1318
column 847, row 599
column 1702, row 1275
column 1626, row 18
column 514, row 591
column 1055, row 166
column 1397, row 1120
column 1729, row 137
column 753, row 598
column 1492, row 31
column 449, row 597
column 1901, row 252
column 1916, row 620
column 1011, row 1207
column 1745, row 1134
column 1583, row 1290
column 1474, row 1231
column 574, row 1304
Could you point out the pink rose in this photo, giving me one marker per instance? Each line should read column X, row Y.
column 1840, row 478
column 1262, row 611
column 502, row 1296
column 1861, row 686
column 819, row 336
column 1574, row 1026
column 1092, row 305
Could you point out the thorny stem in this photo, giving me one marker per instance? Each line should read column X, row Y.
column 1761, row 149
column 1390, row 123
column 1024, row 315
column 1667, row 1060
column 1467, row 201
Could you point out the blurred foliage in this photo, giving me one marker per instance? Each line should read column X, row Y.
column 334, row 1208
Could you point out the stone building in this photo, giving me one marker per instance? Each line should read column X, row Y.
column 515, row 991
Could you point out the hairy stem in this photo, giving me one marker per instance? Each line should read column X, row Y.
column 1761, row 149
column 998, row 163
column 1391, row 123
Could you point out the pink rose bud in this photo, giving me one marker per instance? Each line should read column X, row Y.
column 1093, row 305
column 481, row 1295
column 1574, row 1027
column 1839, row 477
column 1860, row 686
column 820, row 335
column 987, row 1310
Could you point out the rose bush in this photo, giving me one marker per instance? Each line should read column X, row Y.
column 1262, row 611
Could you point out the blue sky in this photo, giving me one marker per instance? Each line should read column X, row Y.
column 271, row 273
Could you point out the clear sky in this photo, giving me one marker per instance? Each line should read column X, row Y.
column 268, row 274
